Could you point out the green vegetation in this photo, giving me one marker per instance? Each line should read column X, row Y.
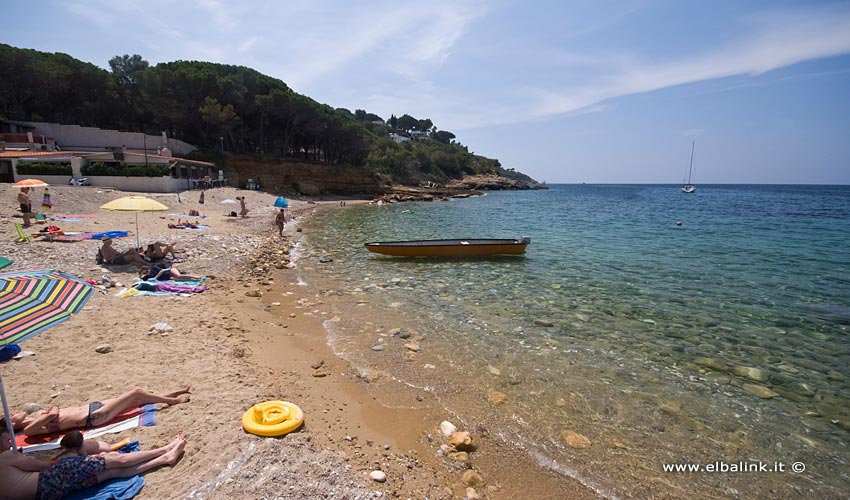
column 49, row 168
column 119, row 170
column 223, row 108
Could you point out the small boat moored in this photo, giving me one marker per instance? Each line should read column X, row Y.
column 450, row 248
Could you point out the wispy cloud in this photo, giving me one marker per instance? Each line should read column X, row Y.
column 772, row 41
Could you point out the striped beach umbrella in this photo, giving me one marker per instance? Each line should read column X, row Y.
column 33, row 301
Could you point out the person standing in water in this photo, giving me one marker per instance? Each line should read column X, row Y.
column 280, row 221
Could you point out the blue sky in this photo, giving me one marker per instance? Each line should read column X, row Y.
column 566, row 91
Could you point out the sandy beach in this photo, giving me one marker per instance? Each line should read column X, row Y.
column 255, row 335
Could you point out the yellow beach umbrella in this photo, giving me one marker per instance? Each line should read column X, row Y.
column 135, row 204
column 30, row 183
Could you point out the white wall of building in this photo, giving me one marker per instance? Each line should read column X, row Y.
column 77, row 138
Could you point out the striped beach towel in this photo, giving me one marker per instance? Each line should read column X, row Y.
column 142, row 416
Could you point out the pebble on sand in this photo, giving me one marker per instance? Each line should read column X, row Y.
column 379, row 476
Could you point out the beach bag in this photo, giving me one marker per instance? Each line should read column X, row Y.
column 9, row 351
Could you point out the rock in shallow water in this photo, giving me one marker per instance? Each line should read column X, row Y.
column 759, row 391
column 575, row 440
column 496, row 398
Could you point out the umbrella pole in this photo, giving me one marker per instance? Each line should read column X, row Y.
column 7, row 414
column 137, row 231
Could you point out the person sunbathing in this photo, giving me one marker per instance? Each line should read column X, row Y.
column 26, row 477
column 147, row 272
column 183, row 225
column 112, row 256
column 158, row 251
column 75, row 443
column 95, row 413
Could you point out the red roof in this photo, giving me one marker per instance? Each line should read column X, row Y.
column 27, row 154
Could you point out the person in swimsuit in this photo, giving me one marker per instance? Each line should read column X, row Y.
column 113, row 256
column 158, row 251
column 26, row 206
column 280, row 220
column 93, row 414
column 24, row 476
column 165, row 274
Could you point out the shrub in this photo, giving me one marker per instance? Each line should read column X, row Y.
column 118, row 170
column 47, row 168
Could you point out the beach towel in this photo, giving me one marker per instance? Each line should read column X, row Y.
column 163, row 288
column 196, row 228
column 118, row 489
column 142, row 416
column 114, row 489
column 111, row 234
column 67, row 219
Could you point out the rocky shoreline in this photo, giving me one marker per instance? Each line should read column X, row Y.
column 471, row 185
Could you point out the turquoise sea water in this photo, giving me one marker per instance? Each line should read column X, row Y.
column 657, row 342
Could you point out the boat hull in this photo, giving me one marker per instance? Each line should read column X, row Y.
column 449, row 248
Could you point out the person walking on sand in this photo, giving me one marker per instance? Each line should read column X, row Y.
column 244, row 211
column 26, row 205
column 280, row 220
column 93, row 414
column 201, row 199
column 26, row 477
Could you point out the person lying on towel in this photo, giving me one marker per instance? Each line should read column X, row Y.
column 91, row 415
column 24, row 476
column 168, row 287
column 147, row 272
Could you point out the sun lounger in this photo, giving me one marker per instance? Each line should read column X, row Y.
column 22, row 236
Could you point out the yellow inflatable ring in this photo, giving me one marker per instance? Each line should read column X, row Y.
column 272, row 418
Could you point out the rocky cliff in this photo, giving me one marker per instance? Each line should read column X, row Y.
column 317, row 179
column 308, row 179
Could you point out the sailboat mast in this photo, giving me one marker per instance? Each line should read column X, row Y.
column 691, row 168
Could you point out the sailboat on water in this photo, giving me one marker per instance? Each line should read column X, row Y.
column 690, row 188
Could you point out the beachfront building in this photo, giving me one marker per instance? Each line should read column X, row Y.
column 129, row 161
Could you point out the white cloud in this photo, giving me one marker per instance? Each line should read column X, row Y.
column 774, row 41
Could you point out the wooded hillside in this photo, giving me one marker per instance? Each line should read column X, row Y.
column 223, row 108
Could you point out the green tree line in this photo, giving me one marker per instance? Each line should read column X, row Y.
column 228, row 108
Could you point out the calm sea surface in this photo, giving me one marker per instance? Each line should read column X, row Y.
column 725, row 339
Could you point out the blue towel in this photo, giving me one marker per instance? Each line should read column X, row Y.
column 111, row 234
column 118, row 489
